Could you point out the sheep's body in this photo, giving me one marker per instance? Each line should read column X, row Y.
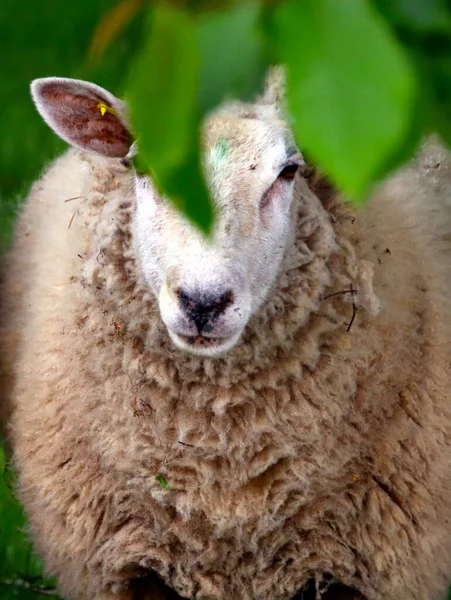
column 306, row 450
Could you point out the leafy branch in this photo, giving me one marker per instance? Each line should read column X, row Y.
column 355, row 82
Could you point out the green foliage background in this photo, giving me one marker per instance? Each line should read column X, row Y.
column 366, row 80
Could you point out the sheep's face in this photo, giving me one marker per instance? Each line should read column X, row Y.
column 207, row 289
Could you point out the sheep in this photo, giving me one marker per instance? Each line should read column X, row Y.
column 262, row 414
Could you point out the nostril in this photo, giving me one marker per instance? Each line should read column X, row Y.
column 183, row 296
column 224, row 301
column 187, row 302
column 203, row 308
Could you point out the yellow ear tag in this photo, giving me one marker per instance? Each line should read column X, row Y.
column 104, row 108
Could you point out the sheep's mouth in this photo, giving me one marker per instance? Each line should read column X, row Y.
column 204, row 345
column 202, row 341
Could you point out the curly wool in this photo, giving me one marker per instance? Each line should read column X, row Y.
column 319, row 445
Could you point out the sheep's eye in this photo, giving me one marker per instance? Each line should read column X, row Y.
column 289, row 171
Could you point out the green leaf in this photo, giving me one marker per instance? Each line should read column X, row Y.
column 162, row 481
column 231, row 51
column 186, row 187
column 162, row 89
column 162, row 95
column 350, row 88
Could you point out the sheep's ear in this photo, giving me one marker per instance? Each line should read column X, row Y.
column 83, row 114
column 274, row 89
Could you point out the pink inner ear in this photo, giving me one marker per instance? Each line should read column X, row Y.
column 74, row 113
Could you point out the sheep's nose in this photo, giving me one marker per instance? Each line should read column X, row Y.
column 203, row 309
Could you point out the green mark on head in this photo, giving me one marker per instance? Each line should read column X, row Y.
column 223, row 147
column 220, row 152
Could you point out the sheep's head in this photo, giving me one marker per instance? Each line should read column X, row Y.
column 207, row 288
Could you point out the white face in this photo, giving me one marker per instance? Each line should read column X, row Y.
column 207, row 289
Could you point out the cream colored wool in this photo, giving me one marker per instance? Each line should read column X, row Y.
column 307, row 450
